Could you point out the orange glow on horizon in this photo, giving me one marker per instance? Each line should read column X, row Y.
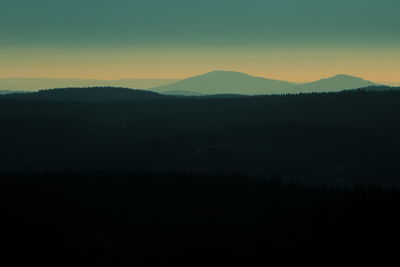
column 301, row 65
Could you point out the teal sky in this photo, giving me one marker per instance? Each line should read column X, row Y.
column 162, row 27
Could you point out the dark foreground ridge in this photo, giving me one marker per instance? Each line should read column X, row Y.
column 87, row 94
column 339, row 138
column 183, row 219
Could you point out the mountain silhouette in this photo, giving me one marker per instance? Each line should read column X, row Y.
column 89, row 94
column 332, row 84
column 212, row 83
column 227, row 82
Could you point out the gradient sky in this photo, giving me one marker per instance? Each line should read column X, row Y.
column 297, row 40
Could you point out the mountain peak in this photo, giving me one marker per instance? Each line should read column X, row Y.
column 227, row 82
column 345, row 76
column 226, row 72
column 336, row 83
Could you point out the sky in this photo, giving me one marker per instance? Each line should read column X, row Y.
column 295, row 40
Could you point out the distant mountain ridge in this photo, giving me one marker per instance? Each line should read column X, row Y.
column 212, row 83
column 89, row 94
column 336, row 83
column 35, row 84
column 226, row 82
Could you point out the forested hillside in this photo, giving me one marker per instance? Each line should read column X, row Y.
column 337, row 137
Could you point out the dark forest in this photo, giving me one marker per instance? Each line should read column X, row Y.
column 153, row 180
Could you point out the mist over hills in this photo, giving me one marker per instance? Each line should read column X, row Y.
column 35, row 84
column 390, row 83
